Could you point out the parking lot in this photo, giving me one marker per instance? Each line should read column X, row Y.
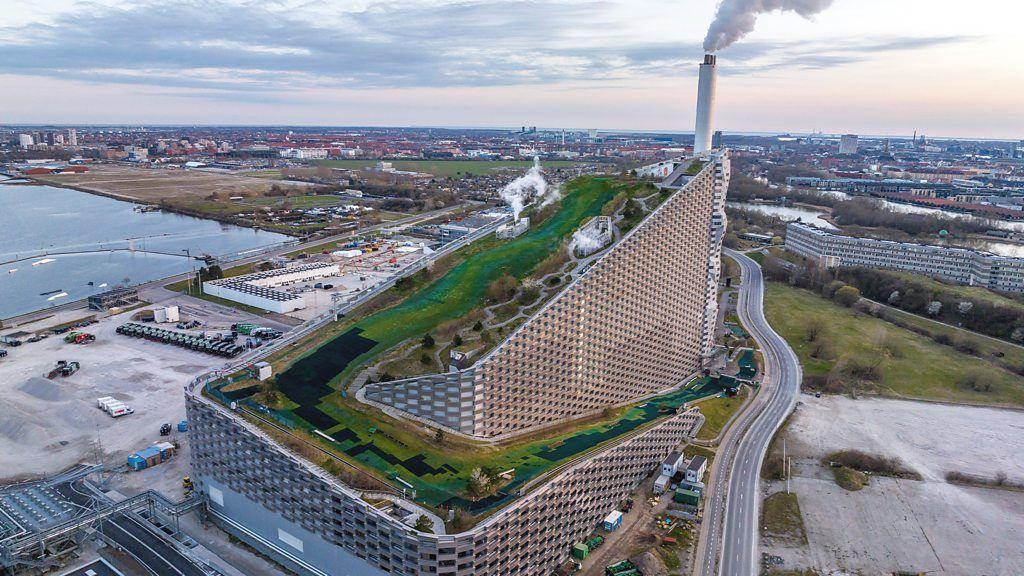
column 48, row 424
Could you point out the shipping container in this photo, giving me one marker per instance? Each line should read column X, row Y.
column 613, row 521
column 145, row 458
column 684, row 496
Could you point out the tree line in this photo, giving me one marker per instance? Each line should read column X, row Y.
column 943, row 303
column 861, row 211
column 872, row 213
column 744, row 189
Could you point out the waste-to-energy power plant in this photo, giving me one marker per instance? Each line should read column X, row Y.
column 636, row 323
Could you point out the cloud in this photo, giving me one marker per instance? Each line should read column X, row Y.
column 282, row 49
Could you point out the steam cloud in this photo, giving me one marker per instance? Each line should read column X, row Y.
column 520, row 191
column 736, row 18
column 585, row 240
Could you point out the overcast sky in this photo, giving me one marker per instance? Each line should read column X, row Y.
column 943, row 68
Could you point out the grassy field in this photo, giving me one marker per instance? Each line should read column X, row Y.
column 781, row 519
column 156, row 185
column 225, row 209
column 717, row 412
column 269, row 174
column 446, row 167
column 998, row 352
column 908, row 365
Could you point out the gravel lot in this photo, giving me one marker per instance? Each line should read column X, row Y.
column 903, row 525
column 48, row 425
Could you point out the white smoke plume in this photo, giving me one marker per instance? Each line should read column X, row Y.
column 554, row 194
column 736, row 18
column 518, row 193
column 586, row 240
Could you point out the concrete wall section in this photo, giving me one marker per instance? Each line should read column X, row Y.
column 287, row 543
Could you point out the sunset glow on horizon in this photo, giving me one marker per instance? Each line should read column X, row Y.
column 863, row 66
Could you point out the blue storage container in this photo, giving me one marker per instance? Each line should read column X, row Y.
column 183, row 426
column 145, row 458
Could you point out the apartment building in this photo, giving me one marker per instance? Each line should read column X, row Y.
column 960, row 265
column 638, row 321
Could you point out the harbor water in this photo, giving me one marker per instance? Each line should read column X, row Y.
column 61, row 245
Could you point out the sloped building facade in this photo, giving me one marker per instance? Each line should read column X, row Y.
column 639, row 321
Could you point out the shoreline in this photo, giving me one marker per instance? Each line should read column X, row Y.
column 33, row 181
column 27, row 316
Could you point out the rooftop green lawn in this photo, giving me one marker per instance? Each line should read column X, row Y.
column 695, row 167
column 919, row 368
column 439, row 471
column 446, row 167
column 463, row 288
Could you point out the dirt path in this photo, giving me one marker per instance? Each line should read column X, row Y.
column 635, row 533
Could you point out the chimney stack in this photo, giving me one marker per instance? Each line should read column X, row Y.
column 704, row 127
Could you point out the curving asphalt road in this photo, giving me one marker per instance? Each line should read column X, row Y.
column 729, row 539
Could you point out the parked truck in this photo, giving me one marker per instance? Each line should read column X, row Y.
column 113, row 406
column 624, row 568
column 184, row 340
column 63, row 368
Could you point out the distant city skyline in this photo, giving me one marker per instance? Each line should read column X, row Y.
column 859, row 67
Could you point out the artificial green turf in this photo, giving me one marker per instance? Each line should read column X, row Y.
column 439, row 473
